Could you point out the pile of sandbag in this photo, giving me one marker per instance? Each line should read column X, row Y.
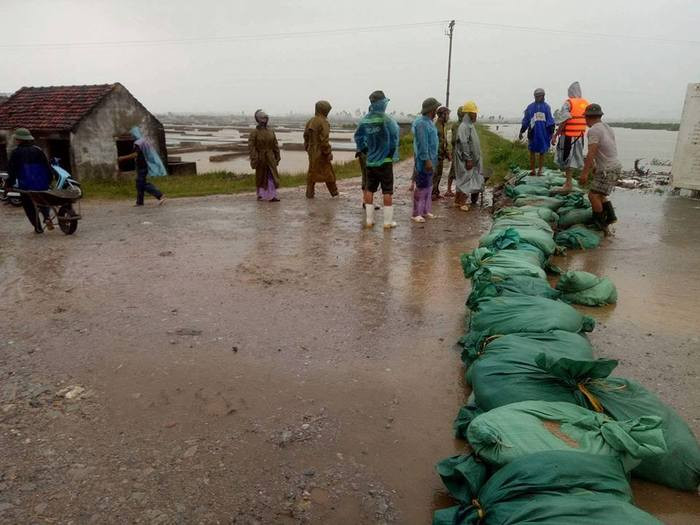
column 546, row 420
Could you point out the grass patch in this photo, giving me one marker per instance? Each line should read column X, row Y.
column 500, row 154
column 216, row 183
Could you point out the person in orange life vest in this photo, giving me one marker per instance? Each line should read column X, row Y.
column 570, row 133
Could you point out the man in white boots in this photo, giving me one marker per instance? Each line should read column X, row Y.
column 377, row 136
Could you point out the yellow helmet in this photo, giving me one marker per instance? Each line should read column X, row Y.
column 470, row 107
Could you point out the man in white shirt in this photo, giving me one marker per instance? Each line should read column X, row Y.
column 602, row 161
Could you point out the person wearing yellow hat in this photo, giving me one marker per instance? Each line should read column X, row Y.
column 467, row 158
column 453, row 141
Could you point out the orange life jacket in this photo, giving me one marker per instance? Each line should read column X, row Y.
column 576, row 125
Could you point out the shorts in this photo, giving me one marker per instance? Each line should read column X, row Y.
column 381, row 176
column 604, row 181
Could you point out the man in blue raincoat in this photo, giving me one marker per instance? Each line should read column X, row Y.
column 377, row 136
column 539, row 123
column 28, row 169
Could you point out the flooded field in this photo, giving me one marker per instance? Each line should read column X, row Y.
column 632, row 144
column 248, row 362
column 292, row 161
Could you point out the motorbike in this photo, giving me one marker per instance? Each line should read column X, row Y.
column 8, row 195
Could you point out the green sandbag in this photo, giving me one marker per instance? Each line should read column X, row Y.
column 587, row 289
column 535, row 223
column 524, row 347
column 483, row 264
column 576, row 216
column 553, row 203
column 574, row 201
column 526, row 313
column 528, row 211
column 506, row 433
column 578, row 237
column 526, row 189
column 556, row 487
column 534, row 236
column 516, row 374
column 512, row 285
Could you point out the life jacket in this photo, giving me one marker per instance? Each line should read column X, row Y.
column 576, row 125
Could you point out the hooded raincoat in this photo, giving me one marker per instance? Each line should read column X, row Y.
column 377, row 135
column 264, row 154
column 318, row 146
column 467, row 148
column 569, row 153
column 155, row 166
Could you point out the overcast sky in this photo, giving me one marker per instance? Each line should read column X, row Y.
column 229, row 56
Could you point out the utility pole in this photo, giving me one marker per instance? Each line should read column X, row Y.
column 449, row 63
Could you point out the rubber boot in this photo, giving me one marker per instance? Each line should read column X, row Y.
column 600, row 223
column 369, row 213
column 610, row 217
column 389, row 217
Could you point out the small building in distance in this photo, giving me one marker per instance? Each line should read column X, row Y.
column 85, row 127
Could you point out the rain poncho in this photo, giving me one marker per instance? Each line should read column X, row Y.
column 564, row 113
column 467, row 148
column 318, row 146
column 377, row 135
column 539, row 122
column 264, row 153
column 425, row 147
column 155, row 165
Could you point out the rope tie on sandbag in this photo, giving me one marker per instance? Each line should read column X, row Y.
column 597, row 406
column 486, row 341
column 479, row 509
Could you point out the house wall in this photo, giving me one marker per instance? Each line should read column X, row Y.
column 94, row 139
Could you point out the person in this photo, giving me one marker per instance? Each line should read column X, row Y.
column 377, row 139
column 603, row 162
column 264, row 154
column 29, row 170
column 539, row 123
column 147, row 163
column 453, row 142
column 467, row 157
column 570, row 132
column 425, row 156
column 318, row 146
column 443, row 117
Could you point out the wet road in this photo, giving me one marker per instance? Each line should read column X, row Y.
column 275, row 363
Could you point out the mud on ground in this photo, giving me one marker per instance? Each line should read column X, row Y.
column 220, row 360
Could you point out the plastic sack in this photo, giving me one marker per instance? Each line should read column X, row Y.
column 535, row 236
column 526, row 189
column 553, row 203
column 488, row 265
column 528, row 211
column 575, row 216
column 513, row 285
column 526, row 313
column 587, row 289
column 578, row 237
column 526, row 347
column 516, row 374
column 555, row 487
column 504, row 434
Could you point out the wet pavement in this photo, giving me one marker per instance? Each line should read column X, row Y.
column 249, row 362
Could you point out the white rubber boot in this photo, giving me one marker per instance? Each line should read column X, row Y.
column 389, row 217
column 369, row 213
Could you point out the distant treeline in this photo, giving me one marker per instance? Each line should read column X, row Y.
column 668, row 126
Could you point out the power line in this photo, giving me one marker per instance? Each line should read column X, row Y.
column 337, row 31
column 567, row 32
column 223, row 39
